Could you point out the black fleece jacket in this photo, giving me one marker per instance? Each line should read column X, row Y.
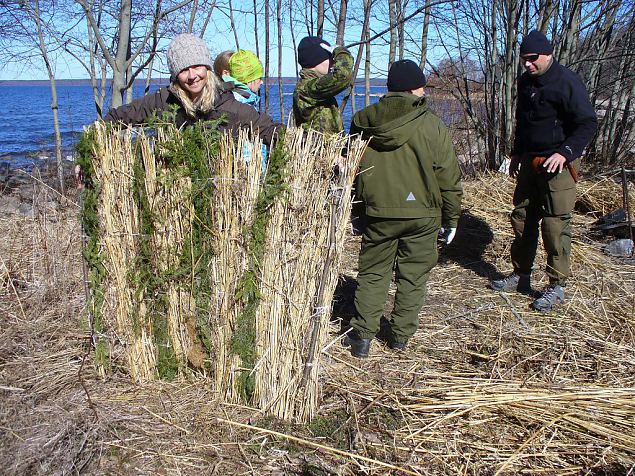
column 553, row 114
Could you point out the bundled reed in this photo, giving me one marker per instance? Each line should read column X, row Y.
column 210, row 266
column 300, row 271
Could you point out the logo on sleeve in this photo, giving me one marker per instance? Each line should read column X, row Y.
column 411, row 198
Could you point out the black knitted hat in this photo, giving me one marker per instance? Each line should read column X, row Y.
column 405, row 75
column 536, row 43
column 310, row 53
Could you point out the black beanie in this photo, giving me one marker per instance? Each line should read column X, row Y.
column 536, row 43
column 310, row 53
column 405, row 75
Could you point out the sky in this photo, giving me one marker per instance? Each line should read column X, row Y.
column 219, row 38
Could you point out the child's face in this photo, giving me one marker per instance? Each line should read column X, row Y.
column 254, row 86
column 323, row 67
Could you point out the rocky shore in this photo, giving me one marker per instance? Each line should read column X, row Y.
column 19, row 188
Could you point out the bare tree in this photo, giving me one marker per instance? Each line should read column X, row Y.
column 280, row 86
column 267, row 56
column 392, row 16
column 320, row 18
column 341, row 22
column 124, row 57
column 424, row 35
column 28, row 26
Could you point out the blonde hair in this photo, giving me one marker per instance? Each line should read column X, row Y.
column 205, row 102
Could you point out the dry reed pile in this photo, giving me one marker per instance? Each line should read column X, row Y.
column 489, row 386
column 486, row 385
column 200, row 264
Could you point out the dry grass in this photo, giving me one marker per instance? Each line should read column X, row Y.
column 485, row 387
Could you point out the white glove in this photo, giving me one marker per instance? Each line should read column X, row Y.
column 327, row 47
column 447, row 234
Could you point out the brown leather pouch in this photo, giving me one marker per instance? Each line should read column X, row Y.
column 536, row 164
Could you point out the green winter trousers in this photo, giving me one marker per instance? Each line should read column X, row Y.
column 409, row 246
column 544, row 201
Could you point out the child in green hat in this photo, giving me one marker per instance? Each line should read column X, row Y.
column 246, row 73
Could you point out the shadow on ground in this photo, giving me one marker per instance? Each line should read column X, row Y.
column 473, row 235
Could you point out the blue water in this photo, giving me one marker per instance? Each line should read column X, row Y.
column 26, row 119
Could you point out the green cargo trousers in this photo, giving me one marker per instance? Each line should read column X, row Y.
column 549, row 198
column 409, row 245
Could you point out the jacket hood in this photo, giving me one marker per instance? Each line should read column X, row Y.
column 390, row 122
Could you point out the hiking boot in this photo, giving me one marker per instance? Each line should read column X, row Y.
column 514, row 282
column 397, row 346
column 359, row 347
column 552, row 295
column 386, row 335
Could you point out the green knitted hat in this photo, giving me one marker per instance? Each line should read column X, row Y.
column 245, row 66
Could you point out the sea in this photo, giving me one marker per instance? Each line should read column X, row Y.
column 26, row 119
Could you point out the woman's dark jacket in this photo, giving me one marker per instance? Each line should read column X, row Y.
column 237, row 115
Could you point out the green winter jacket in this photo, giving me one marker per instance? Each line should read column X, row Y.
column 409, row 169
column 314, row 103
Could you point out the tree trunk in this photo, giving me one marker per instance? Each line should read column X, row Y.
column 424, row 36
column 193, row 12
column 513, row 13
column 54, row 103
column 401, row 7
column 233, row 24
column 367, row 63
column 280, row 86
column 392, row 18
column 320, row 18
column 120, row 67
column 256, row 29
column 293, row 41
column 545, row 11
column 267, row 56
column 99, row 88
column 570, row 34
column 491, row 85
column 341, row 23
column 364, row 39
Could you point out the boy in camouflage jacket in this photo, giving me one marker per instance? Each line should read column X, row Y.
column 325, row 73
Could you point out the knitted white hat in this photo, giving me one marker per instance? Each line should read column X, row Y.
column 187, row 50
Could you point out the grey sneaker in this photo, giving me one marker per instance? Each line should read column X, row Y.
column 552, row 295
column 513, row 282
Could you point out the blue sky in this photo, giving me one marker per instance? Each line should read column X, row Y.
column 219, row 37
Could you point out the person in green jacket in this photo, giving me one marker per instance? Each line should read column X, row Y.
column 325, row 73
column 411, row 188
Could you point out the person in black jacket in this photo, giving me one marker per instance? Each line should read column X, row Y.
column 554, row 123
column 197, row 94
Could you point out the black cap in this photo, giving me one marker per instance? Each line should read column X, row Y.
column 310, row 53
column 536, row 43
column 405, row 75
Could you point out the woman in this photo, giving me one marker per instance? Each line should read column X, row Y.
column 196, row 92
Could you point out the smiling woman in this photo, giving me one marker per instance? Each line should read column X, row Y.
column 195, row 94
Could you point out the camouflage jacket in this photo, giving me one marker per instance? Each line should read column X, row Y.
column 314, row 103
